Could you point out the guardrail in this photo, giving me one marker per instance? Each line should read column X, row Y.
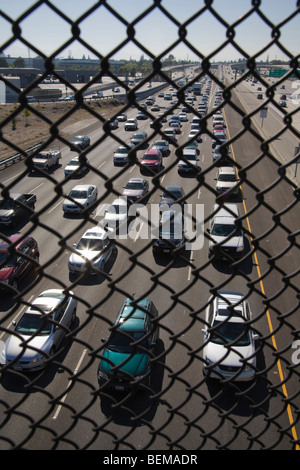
column 11, row 160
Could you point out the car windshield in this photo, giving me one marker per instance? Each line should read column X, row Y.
column 122, row 150
column 6, row 204
column 173, row 195
column 170, row 229
column 160, row 143
column 78, row 194
column 90, row 244
column 227, row 332
column 32, row 324
column 74, row 163
column 77, row 139
column 7, row 259
column 150, row 157
column 223, row 230
column 121, row 342
column 227, row 178
column 133, row 185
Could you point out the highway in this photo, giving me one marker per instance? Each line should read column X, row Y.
column 60, row 406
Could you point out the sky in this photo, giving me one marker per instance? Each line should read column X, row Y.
column 105, row 33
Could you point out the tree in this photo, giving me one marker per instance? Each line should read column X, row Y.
column 19, row 63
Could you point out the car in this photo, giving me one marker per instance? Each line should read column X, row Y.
column 170, row 132
column 170, row 196
column 116, row 90
column 131, row 125
column 122, row 117
column 152, row 160
column 229, row 351
column 220, row 152
column 18, row 255
column 161, row 94
column 80, row 142
column 220, row 138
column 190, row 162
column 121, row 155
column 227, row 181
column 135, row 189
column 40, row 330
column 194, row 134
column 163, row 146
column 80, row 198
column 176, row 126
column 76, row 167
column 219, row 128
column 283, row 104
column 259, row 96
column 139, row 137
column 129, row 352
column 113, row 123
column 116, row 215
column 183, row 117
column 168, row 97
column 155, row 108
column 171, row 233
column 141, row 116
column 226, row 238
column 91, row 252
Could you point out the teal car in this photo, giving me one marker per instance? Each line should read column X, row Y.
column 128, row 355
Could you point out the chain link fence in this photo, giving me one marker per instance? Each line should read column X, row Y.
column 210, row 374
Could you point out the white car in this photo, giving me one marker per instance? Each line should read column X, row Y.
column 229, row 340
column 80, row 198
column 116, row 215
column 75, row 165
column 40, row 330
column 227, row 238
column 194, row 134
column 91, row 252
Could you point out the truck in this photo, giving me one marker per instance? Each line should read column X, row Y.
column 197, row 88
column 45, row 160
column 15, row 208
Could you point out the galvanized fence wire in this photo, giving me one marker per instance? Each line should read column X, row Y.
column 286, row 321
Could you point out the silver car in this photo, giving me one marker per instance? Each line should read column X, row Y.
column 80, row 198
column 91, row 252
column 40, row 330
column 136, row 188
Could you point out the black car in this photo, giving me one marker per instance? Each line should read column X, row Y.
column 171, row 195
column 171, row 233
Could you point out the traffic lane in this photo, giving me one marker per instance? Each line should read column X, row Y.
column 274, row 273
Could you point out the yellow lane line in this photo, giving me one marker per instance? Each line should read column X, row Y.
column 280, row 371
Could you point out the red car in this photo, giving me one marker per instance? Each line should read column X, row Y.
column 176, row 127
column 17, row 257
column 152, row 159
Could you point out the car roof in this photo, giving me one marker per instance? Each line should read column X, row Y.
column 227, row 169
column 174, row 188
column 95, row 232
column 230, row 304
column 136, row 180
column 131, row 317
column 12, row 239
column 83, row 186
column 223, row 212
